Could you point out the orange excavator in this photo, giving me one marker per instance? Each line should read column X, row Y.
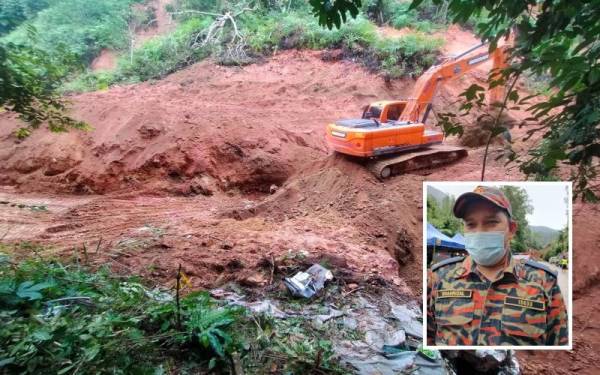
column 392, row 135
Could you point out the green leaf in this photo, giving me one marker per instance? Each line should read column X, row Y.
column 6, row 361
column 30, row 291
column 42, row 335
column 471, row 92
column 415, row 4
column 64, row 370
column 212, row 363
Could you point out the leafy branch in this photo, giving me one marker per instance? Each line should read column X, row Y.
column 29, row 78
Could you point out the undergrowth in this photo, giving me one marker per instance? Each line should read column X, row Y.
column 266, row 32
column 65, row 318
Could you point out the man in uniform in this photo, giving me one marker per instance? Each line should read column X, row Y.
column 489, row 297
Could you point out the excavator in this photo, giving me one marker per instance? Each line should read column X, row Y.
column 392, row 137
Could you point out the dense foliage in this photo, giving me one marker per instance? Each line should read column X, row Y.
column 521, row 207
column 29, row 78
column 440, row 215
column 558, row 247
column 83, row 28
column 64, row 317
column 265, row 29
column 14, row 12
column 48, row 41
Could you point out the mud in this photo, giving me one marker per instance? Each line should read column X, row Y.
column 223, row 169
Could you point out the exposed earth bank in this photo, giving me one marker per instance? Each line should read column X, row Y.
column 222, row 169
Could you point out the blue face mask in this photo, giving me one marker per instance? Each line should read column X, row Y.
column 486, row 248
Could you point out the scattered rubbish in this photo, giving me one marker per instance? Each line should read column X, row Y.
column 307, row 284
column 408, row 319
column 380, row 335
column 159, row 295
column 320, row 320
column 398, row 362
column 55, row 307
column 430, row 355
column 266, row 306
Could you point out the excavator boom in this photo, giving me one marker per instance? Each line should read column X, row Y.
column 427, row 85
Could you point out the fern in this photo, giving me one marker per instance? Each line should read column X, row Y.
column 209, row 325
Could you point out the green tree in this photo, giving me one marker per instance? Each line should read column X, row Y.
column 521, row 207
column 560, row 245
column 48, row 41
column 440, row 215
column 15, row 12
column 29, row 78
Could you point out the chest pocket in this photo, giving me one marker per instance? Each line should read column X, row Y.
column 454, row 316
column 524, row 318
column 454, row 307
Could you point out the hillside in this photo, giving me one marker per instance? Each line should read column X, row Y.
column 544, row 234
column 436, row 194
column 224, row 170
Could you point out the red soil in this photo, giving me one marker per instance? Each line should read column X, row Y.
column 107, row 60
column 182, row 171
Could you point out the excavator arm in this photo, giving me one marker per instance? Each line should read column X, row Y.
column 420, row 101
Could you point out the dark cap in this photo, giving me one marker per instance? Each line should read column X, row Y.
column 488, row 193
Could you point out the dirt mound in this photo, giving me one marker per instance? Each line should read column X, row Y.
column 225, row 170
column 241, row 128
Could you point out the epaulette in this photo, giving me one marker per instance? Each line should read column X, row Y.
column 541, row 266
column 447, row 261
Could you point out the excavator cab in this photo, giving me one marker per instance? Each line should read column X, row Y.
column 384, row 111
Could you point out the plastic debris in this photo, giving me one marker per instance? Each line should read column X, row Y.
column 266, row 306
column 159, row 295
column 320, row 320
column 307, row 284
column 56, row 307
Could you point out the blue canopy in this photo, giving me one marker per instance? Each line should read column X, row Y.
column 459, row 238
column 437, row 238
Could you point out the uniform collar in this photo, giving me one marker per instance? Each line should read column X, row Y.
column 469, row 267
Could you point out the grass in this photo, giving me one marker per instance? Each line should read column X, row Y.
column 68, row 318
column 395, row 57
column 267, row 32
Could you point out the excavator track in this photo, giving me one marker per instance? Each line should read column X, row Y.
column 432, row 156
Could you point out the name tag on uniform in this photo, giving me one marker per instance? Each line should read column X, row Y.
column 525, row 303
column 454, row 293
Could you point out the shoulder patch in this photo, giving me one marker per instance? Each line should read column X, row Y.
column 446, row 262
column 541, row 266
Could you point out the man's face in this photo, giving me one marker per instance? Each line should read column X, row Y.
column 483, row 216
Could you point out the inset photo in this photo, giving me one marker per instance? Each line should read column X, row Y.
column 497, row 265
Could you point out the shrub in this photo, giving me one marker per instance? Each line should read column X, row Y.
column 83, row 27
column 429, row 17
column 267, row 31
column 61, row 318
column 15, row 12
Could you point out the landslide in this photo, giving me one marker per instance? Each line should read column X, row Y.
column 185, row 164
column 180, row 171
column 226, row 127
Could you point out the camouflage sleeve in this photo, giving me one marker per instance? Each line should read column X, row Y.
column 431, row 326
column 557, row 330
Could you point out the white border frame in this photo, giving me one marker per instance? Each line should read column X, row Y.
column 569, row 186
